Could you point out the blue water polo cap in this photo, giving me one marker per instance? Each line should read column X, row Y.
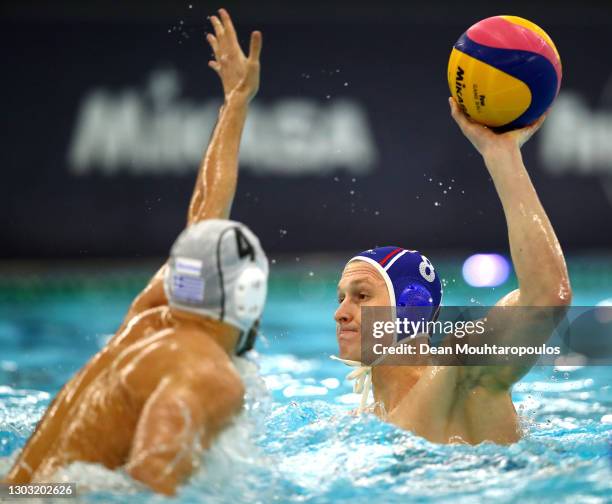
column 410, row 277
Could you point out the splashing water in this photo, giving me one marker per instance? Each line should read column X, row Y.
column 296, row 442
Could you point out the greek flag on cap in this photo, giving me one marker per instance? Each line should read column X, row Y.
column 217, row 268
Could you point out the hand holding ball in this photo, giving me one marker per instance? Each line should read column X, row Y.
column 504, row 72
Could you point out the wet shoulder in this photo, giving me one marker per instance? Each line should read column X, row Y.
column 163, row 350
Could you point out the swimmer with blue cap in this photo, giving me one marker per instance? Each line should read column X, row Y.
column 384, row 276
column 446, row 401
column 166, row 384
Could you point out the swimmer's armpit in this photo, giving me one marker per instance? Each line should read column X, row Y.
column 537, row 256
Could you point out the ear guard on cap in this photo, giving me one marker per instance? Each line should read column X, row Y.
column 413, row 284
column 249, row 298
column 218, row 269
column 250, row 294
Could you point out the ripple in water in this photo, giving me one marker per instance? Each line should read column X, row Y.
column 303, row 449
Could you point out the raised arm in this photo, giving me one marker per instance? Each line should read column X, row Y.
column 536, row 253
column 215, row 186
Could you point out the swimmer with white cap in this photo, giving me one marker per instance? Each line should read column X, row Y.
column 165, row 384
column 455, row 403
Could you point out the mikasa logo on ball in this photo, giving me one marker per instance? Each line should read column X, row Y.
column 459, row 87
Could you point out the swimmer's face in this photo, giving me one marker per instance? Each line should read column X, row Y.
column 360, row 285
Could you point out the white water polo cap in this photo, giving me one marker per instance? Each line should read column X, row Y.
column 218, row 269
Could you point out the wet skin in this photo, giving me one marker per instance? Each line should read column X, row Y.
column 431, row 401
column 164, row 385
column 470, row 404
column 101, row 416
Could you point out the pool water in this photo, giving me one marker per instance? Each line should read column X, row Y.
column 295, row 441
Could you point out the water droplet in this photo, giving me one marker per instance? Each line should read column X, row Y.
column 445, row 191
column 273, row 261
column 472, row 300
column 437, row 203
column 190, row 6
column 376, row 212
column 353, row 180
column 327, row 97
column 283, row 232
column 336, row 179
column 345, row 84
column 439, row 183
column 311, row 273
column 452, row 180
column 297, row 259
column 351, row 192
column 429, row 179
column 462, row 191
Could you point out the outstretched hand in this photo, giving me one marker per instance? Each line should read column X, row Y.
column 239, row 74
column 486, row 140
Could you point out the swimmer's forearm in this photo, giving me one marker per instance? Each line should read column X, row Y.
column 213, row 194
column 536, row 253
column 218, row 176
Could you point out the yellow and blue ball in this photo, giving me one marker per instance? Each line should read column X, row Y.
column 504, row 72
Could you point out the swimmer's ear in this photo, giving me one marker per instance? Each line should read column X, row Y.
column 255, row 47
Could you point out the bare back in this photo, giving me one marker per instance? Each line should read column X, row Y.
column 105, row 400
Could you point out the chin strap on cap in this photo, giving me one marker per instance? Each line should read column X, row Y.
column 363, row 380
